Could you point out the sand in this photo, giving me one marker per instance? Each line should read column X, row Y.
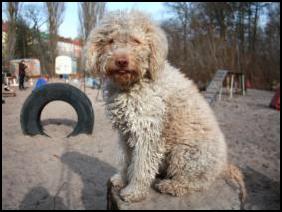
column 71, row 173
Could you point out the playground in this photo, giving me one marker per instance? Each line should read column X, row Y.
column 56, row 172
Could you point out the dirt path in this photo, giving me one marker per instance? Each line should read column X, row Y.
column 252, row 131
column 71, row 173
column 58, row 172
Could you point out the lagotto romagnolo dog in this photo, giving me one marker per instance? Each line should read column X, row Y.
column 166, row 127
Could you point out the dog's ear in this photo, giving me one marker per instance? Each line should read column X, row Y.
column 159, row 49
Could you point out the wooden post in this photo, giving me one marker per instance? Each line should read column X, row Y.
column 220, row 92
column 228, row 83
column 243, row 84
column 231, row 86
column 31, row 82
column 84, row 75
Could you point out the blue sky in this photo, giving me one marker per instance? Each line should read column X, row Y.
column 70, row 26
column 71, row 15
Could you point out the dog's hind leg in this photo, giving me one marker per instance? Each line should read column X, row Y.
column 189, row 170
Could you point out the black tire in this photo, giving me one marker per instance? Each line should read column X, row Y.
column 39, row 98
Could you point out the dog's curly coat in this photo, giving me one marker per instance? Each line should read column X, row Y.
column 165, row 125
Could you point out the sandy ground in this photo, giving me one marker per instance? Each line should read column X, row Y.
column 71, row 173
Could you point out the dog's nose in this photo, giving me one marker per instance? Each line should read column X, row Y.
column 122, row 62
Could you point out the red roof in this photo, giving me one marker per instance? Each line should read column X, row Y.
column 62, row 39
column 68, row 40
column 77, row 42
column 4, row 27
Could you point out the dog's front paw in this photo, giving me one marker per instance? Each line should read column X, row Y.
column 117, row 181
column 130, row 194
column 170, row 187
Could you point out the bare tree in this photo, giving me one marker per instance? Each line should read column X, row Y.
column 271, row 50
column 35, row 18
column 55, row 12
column 206, row 36
column 90, row 14
column 12, row 14
column 219, row 14
column 183, row 12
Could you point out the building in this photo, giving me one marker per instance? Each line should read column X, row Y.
column 65, row 46
column 69, row 47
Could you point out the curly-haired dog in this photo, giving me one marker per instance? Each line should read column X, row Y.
column 165, row 125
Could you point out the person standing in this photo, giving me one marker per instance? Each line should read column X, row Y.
column 22, row 67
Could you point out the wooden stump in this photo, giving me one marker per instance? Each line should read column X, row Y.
column 222, row 195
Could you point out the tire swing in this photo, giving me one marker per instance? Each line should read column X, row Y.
column 39, row 98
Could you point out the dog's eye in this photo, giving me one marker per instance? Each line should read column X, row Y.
column 111, row 41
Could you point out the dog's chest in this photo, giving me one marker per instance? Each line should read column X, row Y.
column 121, row 112
column 131, row 113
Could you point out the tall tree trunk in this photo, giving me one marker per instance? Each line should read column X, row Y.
column 255, row 28
column 90, row 14
column 55, row 11
column 250, row 26
column 12, row 13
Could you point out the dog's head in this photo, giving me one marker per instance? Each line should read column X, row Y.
column 126, row 47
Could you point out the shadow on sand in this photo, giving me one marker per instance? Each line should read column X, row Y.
column 94, row 174
column 263, row 192
column 38, row 198
column 67, row 122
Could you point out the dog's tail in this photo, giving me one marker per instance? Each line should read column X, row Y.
column 234, row 174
